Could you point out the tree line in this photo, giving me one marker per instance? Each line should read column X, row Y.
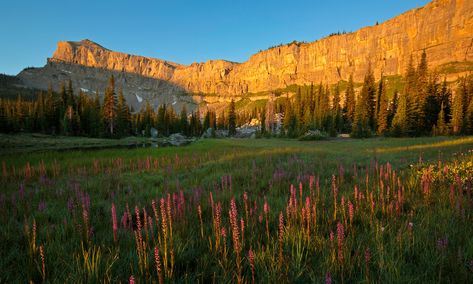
column 425, row 106
column 65, row 113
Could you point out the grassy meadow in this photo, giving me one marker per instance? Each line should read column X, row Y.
column 381, row 210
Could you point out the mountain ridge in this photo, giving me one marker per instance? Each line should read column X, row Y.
column 444, row 28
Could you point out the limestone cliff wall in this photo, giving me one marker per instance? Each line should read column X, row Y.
column 444, row 28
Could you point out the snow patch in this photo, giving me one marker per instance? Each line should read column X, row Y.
column 65, row 71
column 85, row 90
column 140, row 99
column 174, row 103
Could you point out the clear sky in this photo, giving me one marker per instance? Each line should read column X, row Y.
column 177, row 30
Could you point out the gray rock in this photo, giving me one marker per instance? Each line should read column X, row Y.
column 177, row 139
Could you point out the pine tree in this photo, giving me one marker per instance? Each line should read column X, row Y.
column 270, row 112
column 350, row 101
column 382, row 112
column 232, row 119
column 364, row 113
column 441, row 127
column 458, row 114
column 97, row 125
column 445, row 99
column 432, row 105
column 183, row 124
column 336, row 110
column 123, row 115
column 4, row 123
column 469, row 118
column 206, row 123
column 419, row 97
column 263, row 121
column 401, row 120
column 393, row 107
column 110, row 108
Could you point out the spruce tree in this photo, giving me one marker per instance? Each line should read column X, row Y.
column 110, row 108
column 123, row 115
column 183, row 124
column 458, row 114
column 469, row 118
column 350, row 101
column 401, row 120
column 364, row 120
column 383, row 111
column 432, row 105
column 441, row 127
column 232, row 119
column 336, row 110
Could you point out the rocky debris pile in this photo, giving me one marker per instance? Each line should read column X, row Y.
column 177, row 139
column 313, row 135
column 209, row 133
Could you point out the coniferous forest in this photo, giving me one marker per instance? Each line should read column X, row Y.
column 425, row 106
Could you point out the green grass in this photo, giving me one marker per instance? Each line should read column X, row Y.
column 52, row 189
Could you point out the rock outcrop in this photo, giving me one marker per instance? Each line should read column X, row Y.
column 444, row 28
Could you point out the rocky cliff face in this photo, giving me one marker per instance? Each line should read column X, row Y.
column 444, row 28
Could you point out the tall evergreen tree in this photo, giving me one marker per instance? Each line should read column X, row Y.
column 336, row 110
column 232, row 119
column 441, row 127
column 364, row 113
column 382, row 116
column 123, row 115
column 458, row 113
column 110, row 108
column 401, row 121
column 183, row 124
column 350, row 101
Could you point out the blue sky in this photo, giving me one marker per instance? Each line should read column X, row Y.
column 177, row 30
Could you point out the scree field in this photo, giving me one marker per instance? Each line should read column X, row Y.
column 378, row 210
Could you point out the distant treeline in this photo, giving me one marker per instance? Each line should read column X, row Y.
column 425, row 106
column 65, row 113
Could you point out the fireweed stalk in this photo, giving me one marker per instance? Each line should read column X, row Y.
column 114, row 222
column 157, row 261
column 251, row 259
column 280, row 237
column 233, row 214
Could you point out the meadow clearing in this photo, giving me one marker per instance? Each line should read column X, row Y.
column 380, row 210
